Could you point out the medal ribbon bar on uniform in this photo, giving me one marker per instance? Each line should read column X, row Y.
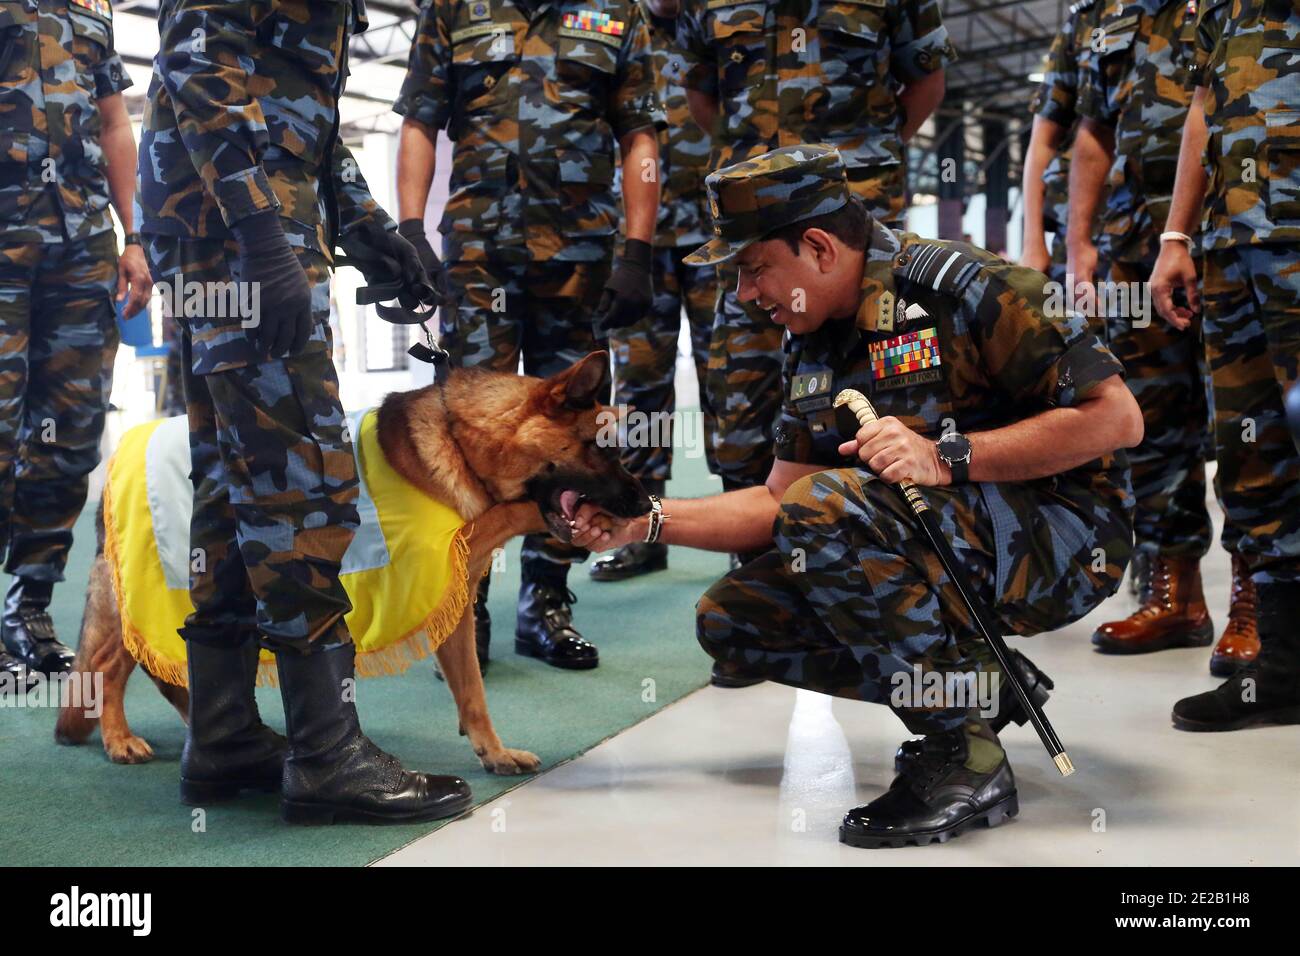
column 98, row 7
column 909, row 352
column 594, row 22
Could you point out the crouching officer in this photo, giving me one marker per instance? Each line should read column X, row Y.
column 1007, row 417
column 244, row 187
column 66, row 151
column 535, row 96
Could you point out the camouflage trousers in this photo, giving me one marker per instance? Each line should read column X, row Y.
column 1165, row 370
column 271, row 462
column 852, row 601
column 1251, row 304
column 743, row 385
column 539, row 311
column 58, row 340
column 645, row 359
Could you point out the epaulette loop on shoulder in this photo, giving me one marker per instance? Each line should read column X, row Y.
column 938, row 266
column 1080, row 5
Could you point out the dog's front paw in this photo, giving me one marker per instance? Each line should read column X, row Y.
column 128, row 749
column 506, row 761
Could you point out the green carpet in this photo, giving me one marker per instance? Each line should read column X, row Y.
column 70, row 806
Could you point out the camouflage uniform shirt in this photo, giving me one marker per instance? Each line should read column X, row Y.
column 1057, row 99
column 1248, row 56
column 948, row 336
column 535, row 105
column 243, row 117
column 56, row 60
column 683, row 148
column 785, row 73
column 1137, row 84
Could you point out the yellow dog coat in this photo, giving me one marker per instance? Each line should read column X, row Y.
column 406, row 571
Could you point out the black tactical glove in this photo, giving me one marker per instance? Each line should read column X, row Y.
column 284, row 320
column 629, row 293
column 388, row 260
column 412, row 230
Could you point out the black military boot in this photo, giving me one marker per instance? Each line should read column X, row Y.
column 14, row 674
column 545, row 624
column 630, row 561
column 1265, row 691
column 482, row 624
column 28, row 631
column 1009, row 708
column 719, row 677
column 960, row 779
column 227, row 747
column 334, row 772
column 482, row 629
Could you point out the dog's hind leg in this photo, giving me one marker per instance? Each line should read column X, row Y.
column 99, row 626
column 459, row 662
column 102, row 652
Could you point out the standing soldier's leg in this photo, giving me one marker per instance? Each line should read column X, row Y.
column 1252, row 333
column 561, row 299
column 744, row 386
column 645, row 357
column 485, row 330
column 73, row 333
column 18, row 265
column 1171, row 523
column 272, row 462
column 700, row 290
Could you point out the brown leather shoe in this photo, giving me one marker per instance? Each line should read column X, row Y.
column 1172, row 614
column 1239, row 644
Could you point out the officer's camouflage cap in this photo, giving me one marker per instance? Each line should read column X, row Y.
column 755, row 197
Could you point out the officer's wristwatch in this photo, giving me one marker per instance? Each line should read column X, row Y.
column 132, row 239
column 954, row 451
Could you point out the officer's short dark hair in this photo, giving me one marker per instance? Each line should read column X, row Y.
column 850, row 224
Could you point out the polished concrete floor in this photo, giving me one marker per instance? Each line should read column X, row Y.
column 762, row 776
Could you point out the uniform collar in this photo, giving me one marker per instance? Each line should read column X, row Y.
column 839, row 337
column 878, row 295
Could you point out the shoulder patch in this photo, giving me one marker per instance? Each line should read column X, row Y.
column 937, row 266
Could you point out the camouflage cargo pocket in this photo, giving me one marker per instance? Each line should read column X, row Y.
column 1283, row 167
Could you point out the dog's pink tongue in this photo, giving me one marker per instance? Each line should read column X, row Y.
column 569, row 503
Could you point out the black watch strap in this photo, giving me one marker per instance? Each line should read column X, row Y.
column 132, row 239
column 960, row 468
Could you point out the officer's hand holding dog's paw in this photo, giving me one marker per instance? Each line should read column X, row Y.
column 895, row 452
column 283, row 322
column 598, row 530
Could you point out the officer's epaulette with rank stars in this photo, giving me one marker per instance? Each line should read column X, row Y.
column 1079, row 6
column 936, row 265
column 99, row 8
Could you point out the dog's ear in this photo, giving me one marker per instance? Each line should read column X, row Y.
column 582, row 384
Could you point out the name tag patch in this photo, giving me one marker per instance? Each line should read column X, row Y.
column 589, row 21
column 908, row 359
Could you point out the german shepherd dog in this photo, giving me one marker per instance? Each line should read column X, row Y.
column 510, row 453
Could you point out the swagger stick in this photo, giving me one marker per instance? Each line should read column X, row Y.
column 851, row 405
